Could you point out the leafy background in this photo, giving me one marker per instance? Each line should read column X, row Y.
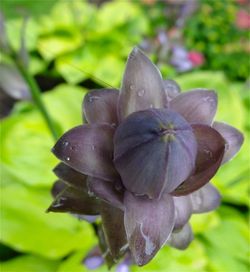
column 74, row 46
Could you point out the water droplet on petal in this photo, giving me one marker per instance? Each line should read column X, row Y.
column 132, row 87
column 208, row 152
column 67, row 158
column 92, row 98
column 65, row 143
column 141, row 93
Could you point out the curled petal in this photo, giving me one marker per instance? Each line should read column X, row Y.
column 89, row 150
column 197, row 106
column 142, row 86
column 114, row 231
column 154, row 151
column 183, row 211
column 171, row 88
column 205, row 199
column 74, row 201
column 211, row 148
column 182, row 238
column 71, row 177
column 148, row 224
column 233, row 137
column 106, row 191
column 100, row 106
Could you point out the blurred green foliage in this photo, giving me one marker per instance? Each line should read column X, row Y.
column 93, row 43
column 214, row 32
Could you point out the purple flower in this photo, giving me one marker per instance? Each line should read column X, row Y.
column 143, row 161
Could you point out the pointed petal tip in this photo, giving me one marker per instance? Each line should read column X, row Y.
column 233, row 137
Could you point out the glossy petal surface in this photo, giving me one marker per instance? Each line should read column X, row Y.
column 106, row 191
column 211, row 148
column 74, row 201
column 154, row 150
column 197, row 106
column 148, row 224
column 233, row 137
column 182, row 238
column 142, row 86
column 205, row 199
column 89, row 150
column 100, row 106
column 71, row 177
column 183, row 210
column 114, row 231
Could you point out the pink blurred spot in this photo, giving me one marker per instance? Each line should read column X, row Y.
column 196, row 58
column 243, row 19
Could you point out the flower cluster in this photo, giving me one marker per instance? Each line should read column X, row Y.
column 143, row 162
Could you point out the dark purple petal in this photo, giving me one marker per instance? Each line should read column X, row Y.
column 154, row 151
column 57, row 188
column 211, row 148
column 100, row 106
column 114, row 231
column 142, row 86
column 12, row 82
column 109, row 260
column 74, row 201
column 106, row 191
column 89, row 150
column 233, row 137
column 197, row 106
column 182, row 238
column 171, row 88
column 71, row 177
column 183, row 211
column 148, row 224
column 205, row 199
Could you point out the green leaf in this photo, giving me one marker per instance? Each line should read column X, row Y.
column 231, row 236
column 25, row 139
column 19, row 8
column 29, row 263
column 26, row 226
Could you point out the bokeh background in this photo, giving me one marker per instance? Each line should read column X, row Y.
column 70, row 47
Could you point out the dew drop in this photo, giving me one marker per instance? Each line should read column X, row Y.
column 65, row 143
column 208, row 99
column 93, row 98
column 141, row 93
column 67, row 158
column 132, row 87
column 208, row 152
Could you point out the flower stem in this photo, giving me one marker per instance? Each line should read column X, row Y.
column 36, row 96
